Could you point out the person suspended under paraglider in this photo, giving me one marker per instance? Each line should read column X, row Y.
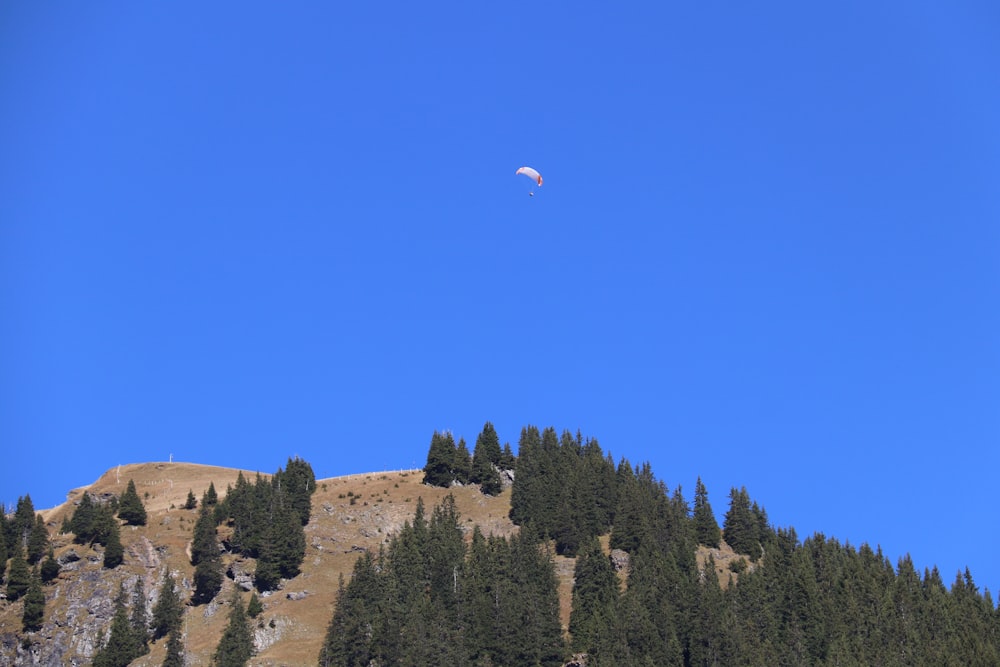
column 533, row 175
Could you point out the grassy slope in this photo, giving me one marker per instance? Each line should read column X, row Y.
column 337, row 531
column 293, row 629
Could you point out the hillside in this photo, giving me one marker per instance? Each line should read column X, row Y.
column 290, row 631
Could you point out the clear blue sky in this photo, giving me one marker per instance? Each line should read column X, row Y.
column 765, row 252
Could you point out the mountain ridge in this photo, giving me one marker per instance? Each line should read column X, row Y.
column 350, row 514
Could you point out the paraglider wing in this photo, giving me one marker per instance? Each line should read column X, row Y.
column 530, row 173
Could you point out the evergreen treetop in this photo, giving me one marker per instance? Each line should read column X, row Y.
column 130, row 507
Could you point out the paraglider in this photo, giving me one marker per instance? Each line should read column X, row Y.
column 532, row 174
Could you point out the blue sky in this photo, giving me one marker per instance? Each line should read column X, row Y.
column 765, row 252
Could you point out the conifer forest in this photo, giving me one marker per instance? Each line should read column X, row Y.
column 646, row 588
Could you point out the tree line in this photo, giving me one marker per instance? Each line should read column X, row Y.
column 786, row 601
column 431, row 598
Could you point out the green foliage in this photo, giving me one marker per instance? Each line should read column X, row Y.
column 236, row 645
column 123, row 643
column 114, row 552
column 439, row 469
column 175, row 650
column 429, row 599
column 595, row 594
column 706, row 528
column 486, row 459
column 254, row 606
column 130, row 507
column 93, row 522
column 50, row 568
column 38, row 540
column 137, row 617
column 191, row 501
column 741, row 529
column 298, row 482
column 282, row 544
column 83, row 519
column 19, row 576
column 34, row 605
column 210, row 498
column 205, row 557
column 168, row 610
column 462, row 465
column 22, row 522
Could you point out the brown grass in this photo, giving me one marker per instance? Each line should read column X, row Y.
column 334, row 536
column 339, row 529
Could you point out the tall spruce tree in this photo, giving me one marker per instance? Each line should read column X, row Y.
column 50, row 567
column 34, row 605
column 236, row 645
column 19, row 577
column 205, row 557
column 741, row 529
column 137, row 617
column 38, row 541
column 23, row 520
column 299, row 483
column 462, row 466
column 485, row 456
column 191, row 501
column 440, row 460
column 168, row 610
column 122, row 646
column 84, row 518
column 705, row 526
column 595, row 592
column 114, row 552
column 130, row 507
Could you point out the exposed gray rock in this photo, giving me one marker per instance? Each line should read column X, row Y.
column 620, row 560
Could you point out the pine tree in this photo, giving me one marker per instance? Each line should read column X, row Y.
column 122, row 646
column 595, row 591
column 438, row 471
column 462, row 467
column 210, row 498
column 24, row 520
column 50, row 567
column 19, row 576
column 168, row 611
column 525, row 498
column 175, row 650
column 205, row 557
column 38, row 540
column 254, row 606
column 204, row 543
column 299, row 483
column 741, row 528
column 191, row 501
column 485, row 456
column 114, row 552
column 34, row 605
column 82, row 523
column 137, row 617
column 207, row 580
column 130, row 507
column 705, row 526
column 236, row 646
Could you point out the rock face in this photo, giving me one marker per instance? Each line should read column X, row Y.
column 70, row 635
